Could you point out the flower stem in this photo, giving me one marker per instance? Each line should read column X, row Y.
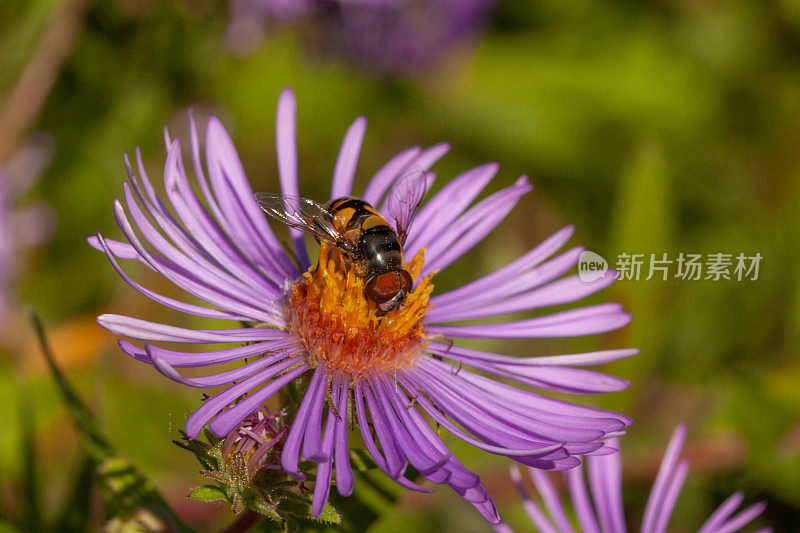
column 246, row 521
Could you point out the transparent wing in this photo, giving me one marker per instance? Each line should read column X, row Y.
column 306, row 215
column 404, row 199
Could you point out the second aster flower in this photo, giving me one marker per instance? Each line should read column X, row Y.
column 386, row 371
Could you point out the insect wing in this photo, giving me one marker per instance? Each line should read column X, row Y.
column 306, row 215
column 404, row 198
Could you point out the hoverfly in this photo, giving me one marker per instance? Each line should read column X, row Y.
column 351, row 225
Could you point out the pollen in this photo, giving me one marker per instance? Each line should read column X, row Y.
column 340, row 328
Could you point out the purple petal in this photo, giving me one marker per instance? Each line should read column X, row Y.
column 226, row 355
column 345, row 170
column 345, row 480
column 322, row 484
column 559, row 292
column 666, row 472
column 394, row 459
column 585, row 359
column 312, row 438
column 286, row 141
column 573, row 323
column 290, row 457
column 164, row 300
column 382, row 179
column 226, row 421
column 122, row 250
column 222, row 378
column 151, row 331
column 605, row 478
column 584, row 511
column 551, row 500
column 500, row 277
column 534, row 512
column 211, row 406
column 448, row 204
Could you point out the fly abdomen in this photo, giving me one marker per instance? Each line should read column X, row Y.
column 381, row 250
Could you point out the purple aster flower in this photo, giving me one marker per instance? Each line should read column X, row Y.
column 604, row 511
column 384, row 370
column 384, row 36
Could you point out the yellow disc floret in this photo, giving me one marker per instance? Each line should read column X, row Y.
column 342, row 329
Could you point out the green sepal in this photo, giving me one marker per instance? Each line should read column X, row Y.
column 208, row 493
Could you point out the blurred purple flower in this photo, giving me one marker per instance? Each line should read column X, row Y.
column 605, row 512
column 384, row 36
column 391, row 369
column 21, row 227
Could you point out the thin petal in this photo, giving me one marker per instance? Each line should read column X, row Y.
column 345, row 169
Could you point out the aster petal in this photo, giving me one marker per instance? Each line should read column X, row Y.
column 468, row 403
column 164, row 300
column 388, row 173
column 535, row 513
column 286, row 143
column 448, row 204
column 459, row 353
column 322, row 484
column 573, row 323
column 187, row 280
column 312, row 438
column 469, row 229
column 345, row 169
column 577, row 415
column 120, row 250
column 189, row 253
column 395, row 460
column 420, row 453
column 551, row 500
column 345, row 481
column 584, row 511
column 412, row 384
column 606, row 481
column 222, row 378
column 225, row 355
column 729, row 524
column 653, row 507
column 572, row 380
column 212, row 406
column 208, row 235
column 224, row 422
column 244, row 220
column 500, row 277
column 398, row 166
column 559, row 292
column 290, row 457
column 721, row 521
column 369, row 442
column 211, row 237
column 722, row 513
column 152, row 331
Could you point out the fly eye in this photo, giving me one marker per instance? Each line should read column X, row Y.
column 384, row 287
column 405, row 279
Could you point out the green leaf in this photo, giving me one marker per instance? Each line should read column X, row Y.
column 208, row 493
column 301, row 508
column 127, row 489
column 31, row 512
column 76, row 511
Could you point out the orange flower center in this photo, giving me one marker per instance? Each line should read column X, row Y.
column 340, row 328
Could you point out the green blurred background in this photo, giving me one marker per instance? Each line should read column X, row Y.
column 653, row 127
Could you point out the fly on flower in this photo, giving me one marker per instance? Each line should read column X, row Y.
column 356, row 229
column 358, row 333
